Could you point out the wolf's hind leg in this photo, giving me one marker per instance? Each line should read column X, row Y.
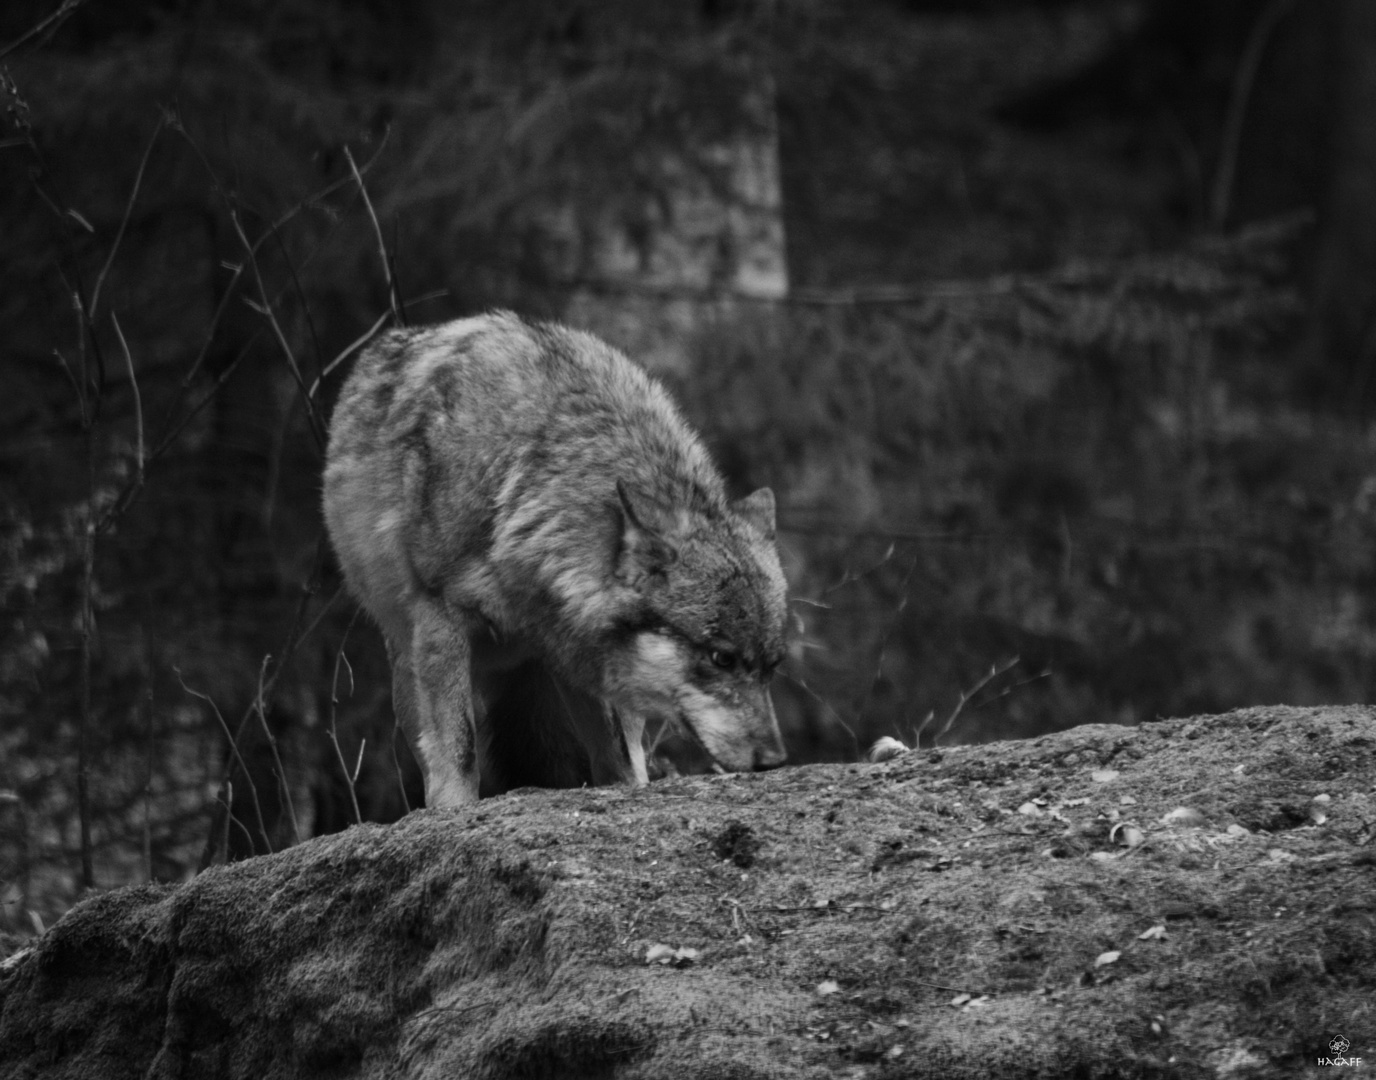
column 433, row 696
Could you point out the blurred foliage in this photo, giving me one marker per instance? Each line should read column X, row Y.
column 1096, row 464
column 1087, row 469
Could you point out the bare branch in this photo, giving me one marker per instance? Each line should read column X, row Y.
column 328, row 189
column 888, row 632
column 227, row 800
column 917, row 733
column 124, row 221
column 313, row 199
column 334, row 703
column 262, row 711
column 71, row 378
column 194, row 370
column 148, row 774
column 349, row 350
column 393, row 298
column 1221, row 197
column 169, row 436
column 831, row 710
column 138, row 401
column 396, row 762
column 265, row 304
column 227, row 788
column 366, row 337
column 965, row 695
column 85, row 720
column 301, row 296
column 294, row 636
column 849, row 578
column 48, row 26
column 265, row 308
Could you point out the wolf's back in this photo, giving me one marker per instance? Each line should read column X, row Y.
column 503, row 406
column 492, row 437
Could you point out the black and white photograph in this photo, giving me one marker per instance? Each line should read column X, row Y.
column 703, row 540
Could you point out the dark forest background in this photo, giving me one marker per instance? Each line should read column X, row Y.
column 1068, row 401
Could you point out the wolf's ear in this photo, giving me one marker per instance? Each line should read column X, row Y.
column 757, row 510
column 650, row 537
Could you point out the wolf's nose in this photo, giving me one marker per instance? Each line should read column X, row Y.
column 770, row 759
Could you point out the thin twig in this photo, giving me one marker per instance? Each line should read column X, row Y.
column 368, row 336
column 301, row 296
column 831, row 710
column 228, row 801
column 1221, row 196
column 393, row 298
column 93, row 384
column 71, row 378
column 195, row 368
column 1007, row 690
column 124, row 221
column 349, row 350
column 329, row 189
column 261, row 708
column 358, row 763
column 228, row 790
column 54, row 20
column 334, row 703
column 148, row 776
column 292, row 640
column 884, row 640
column 251, row 248
column 281, row 430
column 848, row 578
column 339, row 590
column 89, row 396
column 131, row 490
column 266, row 308
column 224, row 828
column 917, row 734
column 313, row 199
column 169, row 436
column 138, row 401
column 396, row 764
column 965, row 695
column 85, row 721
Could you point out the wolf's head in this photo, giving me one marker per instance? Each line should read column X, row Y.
column 710, row 627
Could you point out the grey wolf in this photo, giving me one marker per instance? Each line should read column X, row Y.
column 528, row 518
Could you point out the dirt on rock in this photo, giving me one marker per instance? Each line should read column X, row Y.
column 1187, row 898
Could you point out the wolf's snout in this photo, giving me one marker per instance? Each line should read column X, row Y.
column 770, row 758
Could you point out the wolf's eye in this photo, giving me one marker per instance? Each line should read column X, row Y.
column 723, row 658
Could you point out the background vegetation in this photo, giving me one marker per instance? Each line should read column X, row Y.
column 1069, row 406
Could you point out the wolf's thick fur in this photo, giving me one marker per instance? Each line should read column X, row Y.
column 517, row 504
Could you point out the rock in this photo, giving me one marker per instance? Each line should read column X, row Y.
column 510, row 940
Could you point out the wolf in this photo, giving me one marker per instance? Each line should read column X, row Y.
column 528, row 517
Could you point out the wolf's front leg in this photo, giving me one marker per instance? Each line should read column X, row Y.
column 630, row 728
column 433, row 693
